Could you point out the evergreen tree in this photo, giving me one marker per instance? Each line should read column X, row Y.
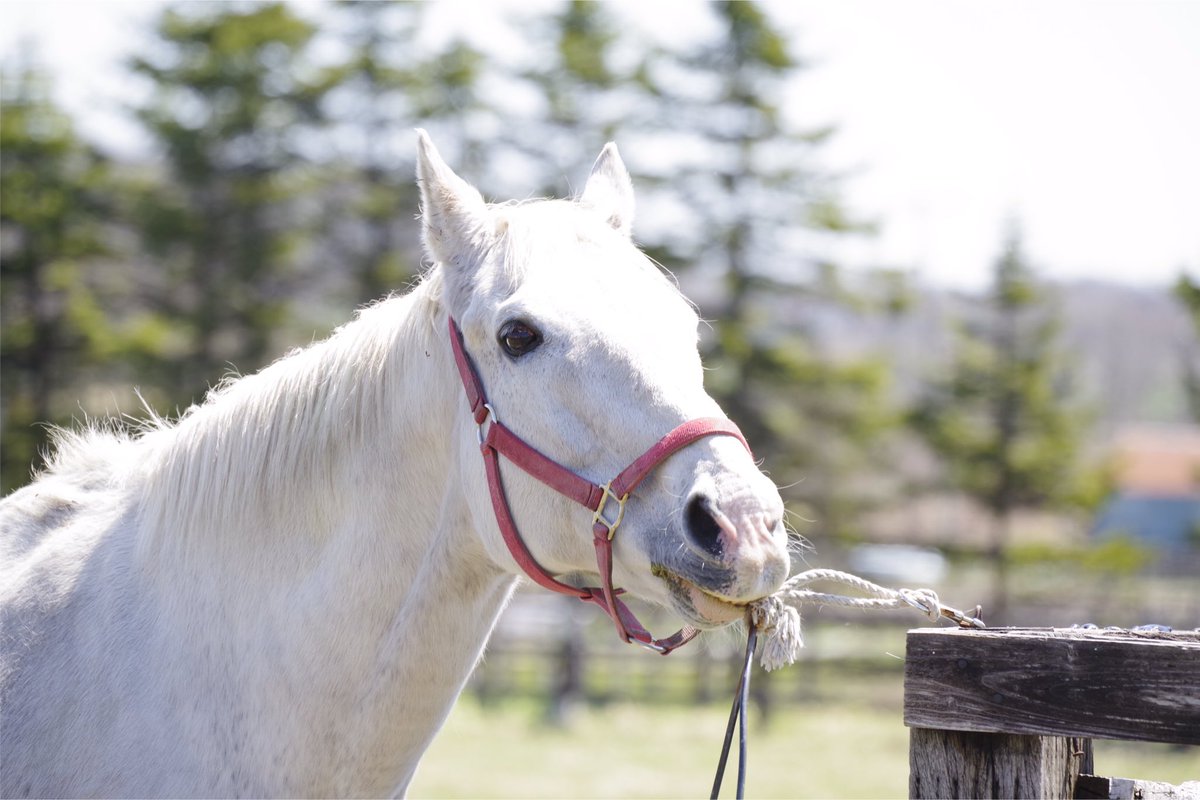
column 1187, row 292
column 53, row 212
column 387, row 86
column 1001, row 418
column 234, row 102
column 757, row 213
column 581, row 94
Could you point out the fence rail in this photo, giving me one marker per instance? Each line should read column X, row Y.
column 1011, row 712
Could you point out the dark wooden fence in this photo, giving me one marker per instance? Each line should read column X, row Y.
column 556, row 650
column 1010, row 712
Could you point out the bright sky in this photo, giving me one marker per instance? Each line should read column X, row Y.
column 1078, row 118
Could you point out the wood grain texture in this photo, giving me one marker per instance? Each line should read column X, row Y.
column 1057, row 682
column 993, row 765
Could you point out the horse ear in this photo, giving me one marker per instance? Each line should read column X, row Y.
column 609, row 190
column 453, row 213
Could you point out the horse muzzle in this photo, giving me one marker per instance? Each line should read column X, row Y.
column 735, row 550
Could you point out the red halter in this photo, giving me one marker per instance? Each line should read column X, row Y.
column 499, row 440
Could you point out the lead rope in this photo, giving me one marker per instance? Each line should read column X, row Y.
column 737, row 716
column 777, row 616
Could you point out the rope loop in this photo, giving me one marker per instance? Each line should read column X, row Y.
column 924, row 600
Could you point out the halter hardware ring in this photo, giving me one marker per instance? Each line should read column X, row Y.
column 491, row 417
column 598, row 518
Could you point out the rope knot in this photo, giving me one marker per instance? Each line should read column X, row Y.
column 779, row 624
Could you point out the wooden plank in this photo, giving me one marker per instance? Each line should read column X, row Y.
column 993, row 765
column 1055, row 681
column 1093, row 787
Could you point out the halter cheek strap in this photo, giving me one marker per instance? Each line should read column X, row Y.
column 607, row 502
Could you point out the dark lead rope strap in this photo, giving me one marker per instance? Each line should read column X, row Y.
column 737, row 716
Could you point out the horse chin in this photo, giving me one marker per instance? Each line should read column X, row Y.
column 697, row 606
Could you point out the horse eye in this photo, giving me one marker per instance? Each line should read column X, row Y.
column 518, row 338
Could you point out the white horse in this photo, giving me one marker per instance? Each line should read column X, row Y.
column 283, row 592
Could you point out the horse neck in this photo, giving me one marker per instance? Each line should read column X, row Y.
column 317, row 505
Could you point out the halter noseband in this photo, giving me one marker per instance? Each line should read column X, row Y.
column 606, row 502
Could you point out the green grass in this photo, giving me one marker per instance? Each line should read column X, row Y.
column 634, row 751
column 630, row 750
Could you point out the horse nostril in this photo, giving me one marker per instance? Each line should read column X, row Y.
column 702, row 527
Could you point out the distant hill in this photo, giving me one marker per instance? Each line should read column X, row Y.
column 1126, row 345
column 1132, row 344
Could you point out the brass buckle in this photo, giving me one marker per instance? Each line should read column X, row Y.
column 599, row 518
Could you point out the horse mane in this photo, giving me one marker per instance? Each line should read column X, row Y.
column 259, row 446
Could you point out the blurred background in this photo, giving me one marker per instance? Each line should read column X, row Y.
column 949, row 255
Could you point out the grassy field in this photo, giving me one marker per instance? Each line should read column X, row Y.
column 820, row 750
column 837, row 731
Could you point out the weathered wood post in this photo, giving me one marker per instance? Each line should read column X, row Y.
column 1010, row 712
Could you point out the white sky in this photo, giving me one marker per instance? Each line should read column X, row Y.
column 1079, row 118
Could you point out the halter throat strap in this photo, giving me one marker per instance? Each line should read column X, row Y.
column 606, row 502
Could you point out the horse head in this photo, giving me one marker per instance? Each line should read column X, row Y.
column 589, row 352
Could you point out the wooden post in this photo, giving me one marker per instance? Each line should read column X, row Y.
column 967, row 764
column 1007, row 712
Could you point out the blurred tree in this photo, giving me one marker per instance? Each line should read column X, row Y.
column 389, row 84
column 235, row 100
column 1187, row 291
column 717, row 167
column 753, row 214
column 1001, row 418
column 53, row 209
column 579, row 94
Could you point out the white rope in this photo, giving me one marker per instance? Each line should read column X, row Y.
column 778, row 616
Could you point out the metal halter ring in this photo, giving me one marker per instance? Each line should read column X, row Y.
column 491, row 417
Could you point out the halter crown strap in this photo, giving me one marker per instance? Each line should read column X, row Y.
column 500, row 440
